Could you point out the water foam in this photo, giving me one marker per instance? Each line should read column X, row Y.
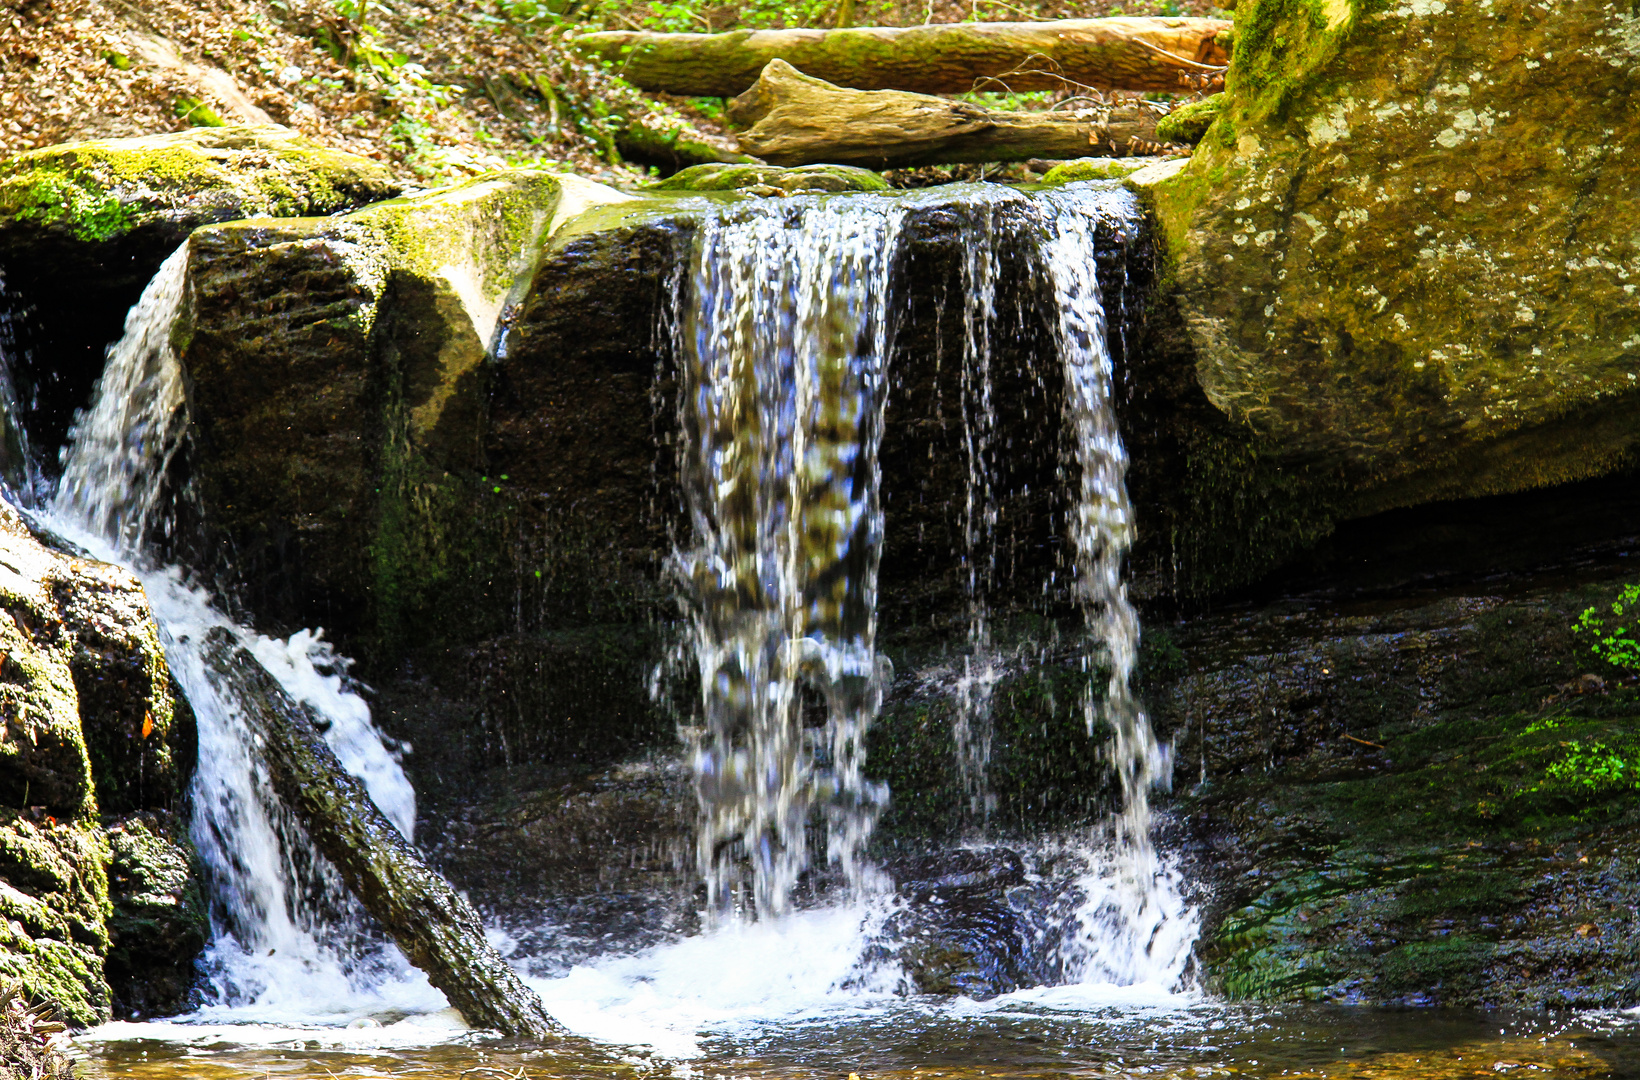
column 289, row 942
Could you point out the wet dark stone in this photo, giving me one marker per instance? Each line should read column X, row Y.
column 957, row 934
column 948, row 874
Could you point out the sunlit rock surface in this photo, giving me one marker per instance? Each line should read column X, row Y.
column 1407, row 251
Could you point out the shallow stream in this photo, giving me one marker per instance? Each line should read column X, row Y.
column 1038, row 1033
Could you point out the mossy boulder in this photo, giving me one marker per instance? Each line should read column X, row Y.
column 340, row 390
column 83, row 226
column 773, row 180
column 159, row 921
column 1188, row 123
column 1406, row 248
column 89, row 713
column 1418, row 801
column 97, row 192
column 1093, row 168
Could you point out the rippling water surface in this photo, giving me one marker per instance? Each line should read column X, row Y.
column 1065, row 1032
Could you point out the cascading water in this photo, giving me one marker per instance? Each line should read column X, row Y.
column 1136, row 925
column 289, row 939
column 783, row 332
column 971, row 730
column 783, row 328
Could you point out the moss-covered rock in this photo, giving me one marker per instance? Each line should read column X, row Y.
column 95, row 192
column 1093, row 168
column 1189, row 123
column 773, row 180
column 341, row 391
column 83, row 226
column 1406, row 247
column 1423, row 801
column 159, row 921
column 84, row 691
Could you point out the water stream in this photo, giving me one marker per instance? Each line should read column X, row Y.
column 289, row 941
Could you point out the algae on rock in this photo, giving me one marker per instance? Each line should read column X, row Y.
column 1406, row 247
column 98, row 191
column 84, row 687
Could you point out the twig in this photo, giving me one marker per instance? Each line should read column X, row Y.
column 1217, row 69
column 1364, row 742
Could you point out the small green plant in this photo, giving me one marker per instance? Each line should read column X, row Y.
column 197, row 113
column 1614, row 638
column 1593, row 768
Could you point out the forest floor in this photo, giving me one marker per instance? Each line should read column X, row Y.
column 440, row 90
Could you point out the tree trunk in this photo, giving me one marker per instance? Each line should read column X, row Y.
column 1111, row 54
column 437, row 929
column 796, row 119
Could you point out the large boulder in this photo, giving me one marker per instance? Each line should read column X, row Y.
column 1406, row 252
column 340, row 395
column 1428, row 799
column 83, row 226
column 89, row 713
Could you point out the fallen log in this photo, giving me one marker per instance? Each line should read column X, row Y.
column 795, row 119
column 437, row 929
column 1123, row 53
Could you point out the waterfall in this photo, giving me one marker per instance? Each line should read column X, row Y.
column 1136, row 925
column 782, row 328
column 971, row 730
column 783, row 334
column 288, row 937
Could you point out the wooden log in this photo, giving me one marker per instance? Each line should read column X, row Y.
column 437, row 929
column 1123, row 53
column 795, row 119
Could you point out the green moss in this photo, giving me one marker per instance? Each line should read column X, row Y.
column 1190, row 123
column 46, row 198
column 769, row 179
column 1449, row 868
column 1092, row 169
column 197, row 113
column 103, row 189
column 53, row 940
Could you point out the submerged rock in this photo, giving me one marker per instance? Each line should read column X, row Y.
column 957, row 933
column 1405, row 249
column 89, row 715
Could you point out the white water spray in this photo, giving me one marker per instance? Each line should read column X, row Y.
column 289, row 938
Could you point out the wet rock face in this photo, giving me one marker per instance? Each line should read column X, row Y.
column 1414, row 799
column 957, row 933
column 90, row 718
column 83, row 226
column 1406, row 249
